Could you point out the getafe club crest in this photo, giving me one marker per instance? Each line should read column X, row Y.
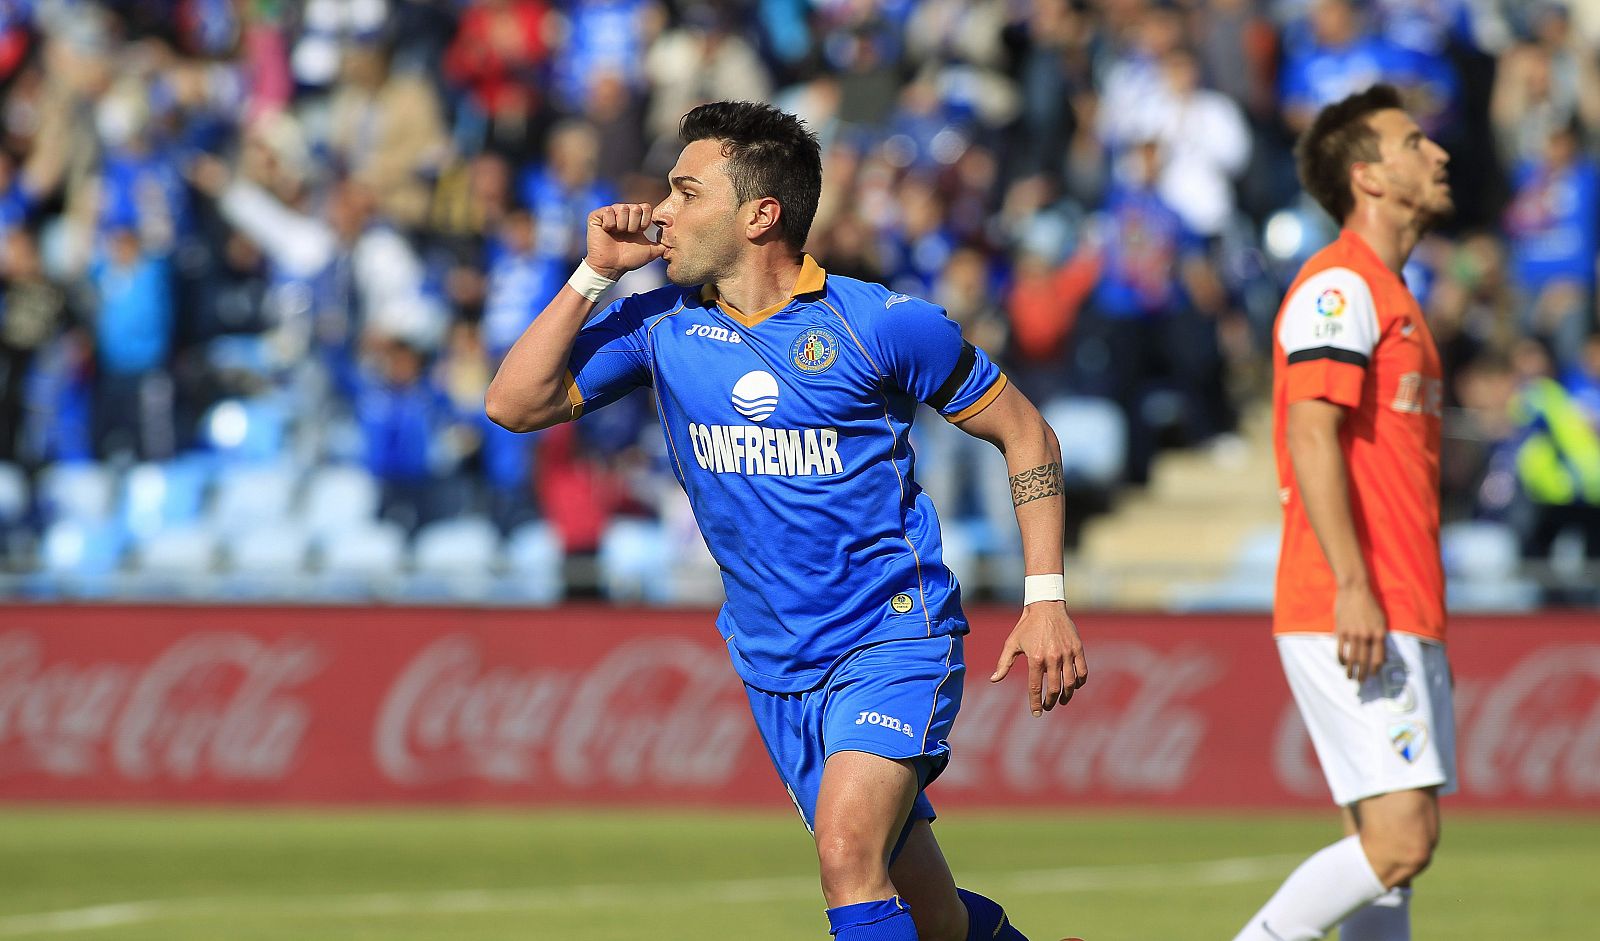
column 814, row 350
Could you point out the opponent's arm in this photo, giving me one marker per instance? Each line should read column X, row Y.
column 1045, row 634
column 1312, row 433
column 529, row 391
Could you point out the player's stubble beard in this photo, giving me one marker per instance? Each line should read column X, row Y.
column 711, row 260
column 1427, row 203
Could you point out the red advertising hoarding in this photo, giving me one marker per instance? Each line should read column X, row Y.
column 594, row 705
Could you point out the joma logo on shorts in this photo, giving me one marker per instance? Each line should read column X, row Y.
column 888, row 722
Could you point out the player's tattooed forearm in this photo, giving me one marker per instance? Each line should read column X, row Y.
column 1042, row 481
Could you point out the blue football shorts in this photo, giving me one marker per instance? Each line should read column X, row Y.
column 897, row 699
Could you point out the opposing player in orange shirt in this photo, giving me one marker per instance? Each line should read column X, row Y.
column 1359, row 616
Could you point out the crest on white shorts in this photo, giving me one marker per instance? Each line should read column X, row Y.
column 1408, row 739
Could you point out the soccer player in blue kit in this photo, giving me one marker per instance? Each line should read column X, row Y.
column 786, row 396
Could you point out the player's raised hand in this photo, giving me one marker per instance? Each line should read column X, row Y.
column 1359, row 632
column 1056, row 664
column 618, row 239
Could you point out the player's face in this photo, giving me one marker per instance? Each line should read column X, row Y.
column 699, row 217
column 1413, row 166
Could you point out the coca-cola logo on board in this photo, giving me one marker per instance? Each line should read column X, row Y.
column 218, row 705
column 1536, row 731
column 1137, row 728
column 651, row 713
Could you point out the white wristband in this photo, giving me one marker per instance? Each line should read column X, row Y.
column 588, row 282
column 1043, row 588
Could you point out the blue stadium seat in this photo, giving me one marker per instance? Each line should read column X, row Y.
column 268, row 562
column 251, row 496
column 634, row 561
column 533, row 566
column 365, row 561
column 15, row 534
column 1482, row 562
column 178, row 562
column 82, row 558
column 80, row 490
column 455, row 559
column 1479, row 550
column 162, row 496
column 13, row 494
column 1094, row 439
column 339, row 497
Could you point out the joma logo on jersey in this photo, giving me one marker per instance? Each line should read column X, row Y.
column 713, row 333
column 887, row 722
column 759, row 450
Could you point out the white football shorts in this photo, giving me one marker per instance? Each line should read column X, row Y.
column 1394, row 732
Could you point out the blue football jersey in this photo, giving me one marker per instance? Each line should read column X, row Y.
column 788, row 430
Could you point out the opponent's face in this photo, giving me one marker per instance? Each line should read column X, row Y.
column 699, row 219
column 1413, row 167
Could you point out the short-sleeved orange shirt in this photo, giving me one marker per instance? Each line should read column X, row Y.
column 1351, row 333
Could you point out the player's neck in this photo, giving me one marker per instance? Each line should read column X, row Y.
column 763, row 279
column 1390, row 239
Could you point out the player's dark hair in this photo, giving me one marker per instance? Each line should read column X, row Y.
column 1340, row 137
column 770, row 153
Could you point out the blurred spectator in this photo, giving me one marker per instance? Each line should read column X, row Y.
column 1581, row 379
column 602, row 37
column 59, row 392
column 362, row 274
column 916, row 244
column 1139, row 323
column 325, row 27
column 498, row 55
column 1342, row 55
column 1542, row 87
column 31, row 311
column 1054, row 74
column 14, row 36
column 617, row 114
column 386, row 131
column 1557, row 458
column 402, row 415
column 1554, row 225
column 521, row 282
column 562, row 192
column 704, row 59
column 1044, row 304
column 962, row 474
column 133, row 407
column 1472, row 307
column 1134, row 78
column 1206, row 142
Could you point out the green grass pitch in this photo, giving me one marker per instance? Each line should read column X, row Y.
column 185, row 875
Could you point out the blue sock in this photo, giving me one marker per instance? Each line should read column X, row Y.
column 986, row 920
column 884, row 920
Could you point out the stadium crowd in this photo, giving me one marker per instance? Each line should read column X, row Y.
column 285, row 242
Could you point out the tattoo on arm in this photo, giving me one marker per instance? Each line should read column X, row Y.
column 1043, row 481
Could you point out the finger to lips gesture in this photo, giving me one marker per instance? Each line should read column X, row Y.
column 618, row 239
